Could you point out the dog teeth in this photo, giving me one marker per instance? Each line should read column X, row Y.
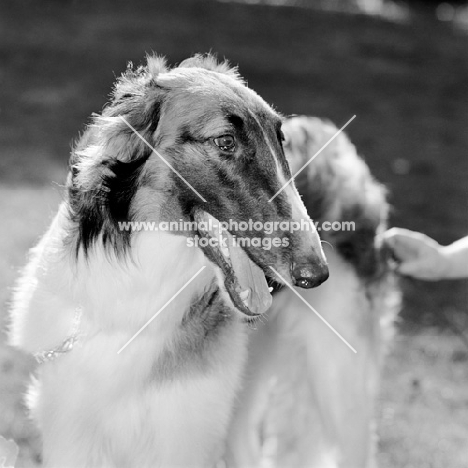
column 224, row 250
column 270, row 289
column 244, row 295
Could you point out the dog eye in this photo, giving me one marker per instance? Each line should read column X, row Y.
column 281, row 136
column 225, row 143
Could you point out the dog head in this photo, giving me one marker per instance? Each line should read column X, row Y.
column 193, row 143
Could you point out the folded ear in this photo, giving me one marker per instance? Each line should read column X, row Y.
column 137, row 97
column 100, row 198
column 209, row 62
column 108, row 161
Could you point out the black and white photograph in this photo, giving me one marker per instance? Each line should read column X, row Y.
column 234, row 234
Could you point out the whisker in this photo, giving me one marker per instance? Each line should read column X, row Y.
column 326, row 242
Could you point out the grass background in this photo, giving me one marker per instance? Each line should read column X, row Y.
column 407, row 81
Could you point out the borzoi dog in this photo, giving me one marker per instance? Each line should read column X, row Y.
column 308, row 400
column 191, row 143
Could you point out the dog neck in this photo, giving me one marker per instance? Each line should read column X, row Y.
column 117, row 294
column 157, row 276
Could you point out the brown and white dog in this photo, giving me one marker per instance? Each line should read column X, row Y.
column 166, row 399
column 308, row 400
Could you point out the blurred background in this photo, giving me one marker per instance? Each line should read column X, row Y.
column 402, row 68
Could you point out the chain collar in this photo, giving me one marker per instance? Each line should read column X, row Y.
column 66, row 345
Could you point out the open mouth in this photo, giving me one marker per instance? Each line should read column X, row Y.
column 244, row 280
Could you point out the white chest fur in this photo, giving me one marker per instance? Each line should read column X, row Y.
column 98, row 408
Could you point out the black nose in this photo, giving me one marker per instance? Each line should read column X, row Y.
column 310, row 276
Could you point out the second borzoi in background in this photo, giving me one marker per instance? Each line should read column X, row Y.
column 308, row 400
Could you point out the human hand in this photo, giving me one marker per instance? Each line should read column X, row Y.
column 419, row 255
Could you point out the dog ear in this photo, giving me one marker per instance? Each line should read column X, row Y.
column 156, row 64
column 108, row 161
column 209, row 62
column 137, row 97
column 101, row 198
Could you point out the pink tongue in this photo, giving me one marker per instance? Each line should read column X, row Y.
column 253, row 288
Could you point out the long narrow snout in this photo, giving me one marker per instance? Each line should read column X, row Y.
column 309, row 267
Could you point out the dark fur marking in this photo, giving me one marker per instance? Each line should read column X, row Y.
column 154, row 116
column 358, row 246
column 314, row 194
column 201, row 328
column 186, row 136
column 98, row 212
column 122, row 186
column 236, row 121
